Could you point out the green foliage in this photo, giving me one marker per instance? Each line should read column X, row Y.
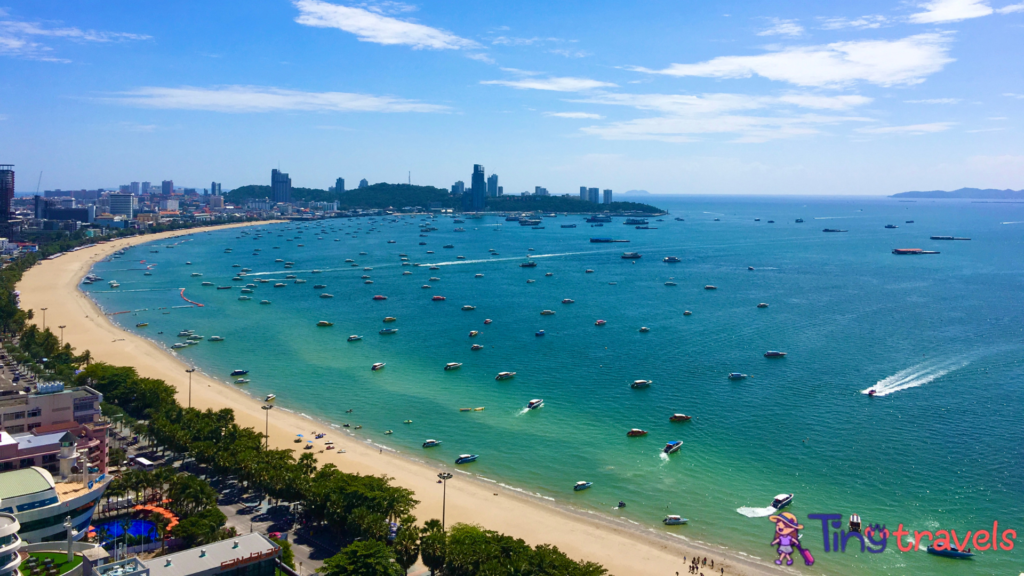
column 287, row 555
column 366, row 558
column 471, row 550
column 407, row 543
column 202, row 528
column 190, row 495
column 433, row 545
column 563, row 204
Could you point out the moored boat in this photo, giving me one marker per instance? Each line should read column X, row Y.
column 674, row 520
column 377, row 366
column 774, row 354
column 547, row 312
column 386, row 331
column 354, row 337
column 438, row 298
column 636, row 432
column 679, row 418
column 142, row 324
column 239, row 372
column 762, row 305
column 379, row 297
column 431, row 443
column 324, row 323
column 453, row 366
column 476, row 347
column 466, row 458
column 582, row 485
column 216, row 338
column 467, row 307
column 736, row 376
column 641, row 384
column 671, row 259
column 568, row 301
column 600, row 323
column 504, row 375
column 710, row 287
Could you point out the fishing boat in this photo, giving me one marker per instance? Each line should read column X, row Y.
column 774, row 354
column 679, row 418
column 547, row 312
column 736, row 376
column 600, row 323
column 324, row 323
column 466, row 458
column 473, row 333
column 377, row 366
column 671, row 260
column 534, row 404
column 431, row 443
column 644, row 329
column 389, row 331
column 950, row 552
column 438, row 298
column 467, row 307
column 762, row 305
column 636, row 432
column 453, row 366
column 216, row 338
column 674, row 520
column 476, row 347
column 581, row 485
column 672, row 447
column 504, row 375
column 641, row 384
column 354, row 337
column 239, row 372
column 379, row 297
column 142, row 324
column 390, row 319
column 781, row 501
column 568, row 301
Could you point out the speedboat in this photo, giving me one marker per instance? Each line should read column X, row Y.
column 478, row 276
column 270, row 398
column 774, row 354
column 950, row 552
column 644, row 329
column 781, row 501
column 630, row 255
column 179, row 345
column 762, row 305
column 872, row 392
column 324, row 323
column 476, row 347
column 534, row 404
column 354, row 337
column 467, row 307
column 640, row 384
column 319, row 286
column 216, row 338
column 438, row 298
column 326, row 295
column 600, row 323
column 279, row 285
column 581, row 485
column 377, row 366
column 529, row 264
column 670, row 283
column 207, row 284
column 142, row 324
column 473, row 333
column 434, row 279
column 547, row 312
column 264, row 301
column 710, row 287
column 242, row 381
column 426, row 286
column 390, row 319
column 736, row 376
column 379, row 297
column 568, row 301
column 538, row 333
column 673, row 447
column 504, row 375
column 854, row 523
column 466, row 458
column 389, row 331
column 453, row 366
column 239, row 372
column 671, row 259
column 674, row 520
column 488, row 321
column 434, row 268
column 431, row 443
column 635, row 432
column 407, row 422
column 406, row 273
column 196, row 274
column 448, row 246
column 679, row 418
column 687, row 313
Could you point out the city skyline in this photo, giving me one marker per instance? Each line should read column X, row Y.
column 725, row 99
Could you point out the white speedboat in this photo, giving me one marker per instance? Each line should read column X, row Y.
column 674, row 520
column 536, row 403
column 640, row 384
column 431, row 443
column 453, row 366
column 466, row 458
column 216, row 338
column 673, row 447
column 736, row 376
column 781, row 501
column 270, row 398
column 377, row 366
column 504, row 375
column 354, row 337
column 582, row 485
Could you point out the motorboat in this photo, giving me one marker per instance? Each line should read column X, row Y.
column 549, row 274
column 319, row 286
column 246, row 290
column 264, row 301
column 364, row 277
column 467, row 307
column 710, row 287
column 434, row 279
column 242, row 381
column 539, row 333
column 547, row 312
column 854, row 523
column 407, row 422
column 644, row 329
column 386, row 331
column 216, row 338
column 679, row 418
column 670, row 283
column 466, row 458
column 448, row 246
column 244, row 297
column 674, row 520
column 582, row 485
column 453, row 366
column 478, row 276
column 406, row 273
column 270, row 398
column 535, row 403
column 473, row 333
column 279, row 285
column 774, row 354
column 364, row 281
column 672, row 447
column 781, row 501
column 636, row 432
column 324, row 323
column 589, row 271
column 179, row 345
column 142, row 324
column 377, row 366
column 762, row 305
column 379, row 297
column 568, row 301
column 736, row 376
column 434, row 268
column 326, row 295
column 671, row 259
column 389, row 432
column 488, row 321
column 750, row 267
column 354, row 337
column 630, row 255
column 950, row 552
column 438, row 298
column 390, row 319
column 426, row 286
column 196, row 274
column 530, row 281
column 431, row 443
column 799, row 220
column 239, row 372
column 890, row 226
column 641, row 384
column 530, row 264
column 207, row 284
column 600, row 323
column 504, row 375
column 687, row 313
column 476, row 347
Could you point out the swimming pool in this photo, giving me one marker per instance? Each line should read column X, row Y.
column 137, row 528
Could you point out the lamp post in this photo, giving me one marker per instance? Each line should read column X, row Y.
column 267, row 408
column 444, row 476
column 62, row 327
column 44, row 318
column 190, row 371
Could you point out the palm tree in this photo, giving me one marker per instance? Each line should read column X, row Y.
column 161, row 522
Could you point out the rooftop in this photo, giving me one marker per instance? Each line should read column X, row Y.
column 25, row 481
column 243, row 549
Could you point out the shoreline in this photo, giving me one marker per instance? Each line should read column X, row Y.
column 620, row 547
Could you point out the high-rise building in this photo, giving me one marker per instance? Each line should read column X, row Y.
column 540, row 191
column 216, row 201
column 134, row 188
column 167, row 187
column 339, row 185
column 492, row 186
column 594, row 195
column 501, row 190
column 215, row 188
column 363, row 183
column 479, row 188
column 122, row 204
column 583, row 193
column 124, row 189
column 6, row 195
column 144, row 188
column 281, row 187
column 459, row 187
column 607, row 196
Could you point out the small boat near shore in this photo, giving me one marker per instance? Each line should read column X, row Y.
column 581, row 485
column 505, row 375
column 951, row 552
column 239, row 372
column 466, row 458
column 674, row 520
column 431, row 443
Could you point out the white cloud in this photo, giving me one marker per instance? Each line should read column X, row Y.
column 15, row 38
column 913, row 129
column 985, row 130
column 863, row 23
column 781, row 27
column 686, row 118
column 522, row 72
column 905, row 61
column 935, row 101
column 564, row 84
column 1011, row 8
column 372, row 26
column 1012, row 95
column 939, row 11
column 570, row 53
column 239, row 99
column 507, row 41
column 480, row 56
column 575, row 115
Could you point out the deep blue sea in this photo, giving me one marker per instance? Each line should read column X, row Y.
column 940, row 338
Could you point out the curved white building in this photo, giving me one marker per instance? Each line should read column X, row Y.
column 32, row 498
column 9, row 544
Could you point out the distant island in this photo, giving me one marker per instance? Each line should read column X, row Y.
column 398, row 196
column 968, row 193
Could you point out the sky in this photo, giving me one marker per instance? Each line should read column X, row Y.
column 668, row 96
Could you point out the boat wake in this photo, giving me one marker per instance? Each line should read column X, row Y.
column 756, row 512
column 915, row 376
column 1021, row 222
column 522, row 411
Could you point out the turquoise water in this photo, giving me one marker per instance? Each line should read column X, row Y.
column 940, row 337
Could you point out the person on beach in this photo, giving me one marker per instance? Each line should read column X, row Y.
column 786, row 536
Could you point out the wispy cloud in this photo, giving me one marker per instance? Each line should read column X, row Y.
column 16, row 38
column 570, row 53
column 1011, row 8
column 1012, row 95
column 935, row 101
column 913, row 129
column 512, row 41
column 863, row 23
column 780, row 27
column 941, row 11
column 985, row 130
column 575, row 115
column 241, row 99
column 563, row 84
column 373, row 26
column 480, row 56
column 906, row 61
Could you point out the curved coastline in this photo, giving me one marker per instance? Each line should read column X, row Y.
column 622, row 546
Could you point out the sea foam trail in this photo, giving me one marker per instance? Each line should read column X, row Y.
column 756, row 512
column 915, row 376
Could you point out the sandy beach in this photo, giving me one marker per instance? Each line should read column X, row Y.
column 622, row 549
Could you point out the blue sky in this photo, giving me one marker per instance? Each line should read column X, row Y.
column 668, row 96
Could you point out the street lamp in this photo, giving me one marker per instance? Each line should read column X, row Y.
column 190, row 371
column 444, row 476
column 267, row 408
column 44, row 318
column 62, row 327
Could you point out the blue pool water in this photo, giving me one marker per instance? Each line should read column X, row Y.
column 136, row 528
column 939, row 337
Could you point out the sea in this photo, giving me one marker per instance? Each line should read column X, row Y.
column 939, row 338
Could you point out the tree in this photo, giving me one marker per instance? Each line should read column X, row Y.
column 367, row 558
column 190, row 495
column 116, row 457
column 407, row 543
column 161, row 523
column 202, row 528
column 433, row 545
column 287, row 555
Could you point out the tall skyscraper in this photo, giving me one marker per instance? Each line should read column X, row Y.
column 583, row 193
column 479, row 188
column 501, row 190
column 339, row 185
column 215, row 188
column 492, row 186
column 363, row 183
column 6, row 195
column 540, row 191
column 281, row 187
column 607, row 196
column 134, row 188
column 459, row 187
column 594, row 195
column 144, row 189
column 122, row 204
column 167, row 187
